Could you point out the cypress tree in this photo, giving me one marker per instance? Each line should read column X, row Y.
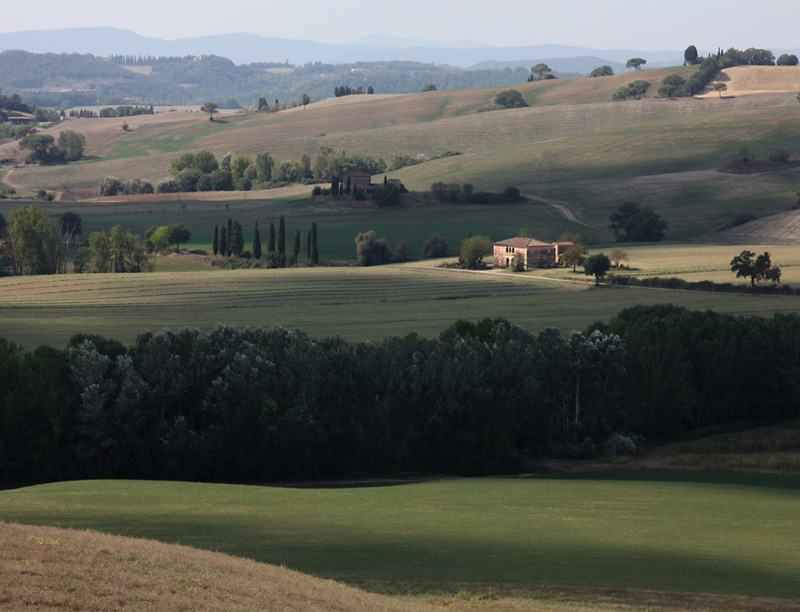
column 271, row 238
column 314, row 250
column 236, row 239
column 230, row 235
column 256, row 243
column 296, row 247
column 334, row 186
column 347, row 189
column 282, row 242
column 223, row 241
column 215, row 244
column 308, row 246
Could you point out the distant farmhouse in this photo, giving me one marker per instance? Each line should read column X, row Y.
column 363, row 181
column 535, row 254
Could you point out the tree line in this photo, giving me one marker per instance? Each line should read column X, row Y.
column 228, row 241
column 253, row 404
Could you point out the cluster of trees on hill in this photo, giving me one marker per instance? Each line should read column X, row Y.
column 346, row 90
column 256, row 404
column 44, row 150
column 457, row 193
column 32, row 243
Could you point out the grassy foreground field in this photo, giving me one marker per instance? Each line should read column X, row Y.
column 355, row 303
column 709, row 532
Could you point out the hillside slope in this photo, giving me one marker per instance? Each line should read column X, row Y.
column 49, row 568
column 572, row 147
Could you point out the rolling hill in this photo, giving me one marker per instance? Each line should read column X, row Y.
column 572, row 147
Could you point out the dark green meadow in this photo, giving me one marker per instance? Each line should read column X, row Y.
column 337, row 226
column 710, row 532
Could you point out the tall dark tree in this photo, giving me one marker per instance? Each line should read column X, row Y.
column 308, row 245
column 215, row 241
column 314, row 249
column 690, row 56
column 223, row 241
column 256, row 243
column 282, row 242
column 229, row 235
column 296, row 247
column 236, row 239
column 271, row 238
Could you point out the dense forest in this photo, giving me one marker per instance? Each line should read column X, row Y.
column 67, row 80
column 247, row 404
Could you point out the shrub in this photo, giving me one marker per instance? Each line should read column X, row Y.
column 434, row 247
column 111, row 186
column 510, row 98
column 168, row 185
column 623, row 444
column 778, row 155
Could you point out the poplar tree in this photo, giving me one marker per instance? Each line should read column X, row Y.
column 296, row 247
column 271, row 238
column 223, row 241
column 215, row 242
column 256, row 243
column 282, row 242
column 314, row 250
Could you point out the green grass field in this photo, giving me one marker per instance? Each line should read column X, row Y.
column 712, row 532
column 355, row 303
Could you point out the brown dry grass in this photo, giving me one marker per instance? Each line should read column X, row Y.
column 748, row 80
column 46, row 568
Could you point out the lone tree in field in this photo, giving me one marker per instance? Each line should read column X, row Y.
column 575, row 256
column 539, row 71
column 510, row 98
column 720, row 87
column 435, row 246
column 635, row 63
column 690, row 56
column 597, row 266
column 747, row 265
column 602, row 71
column 210, row 108
column 617, row 256
column 473, row 250
column 634, row 223
column 787, row 59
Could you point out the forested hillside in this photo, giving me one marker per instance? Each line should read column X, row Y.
column 67, row 80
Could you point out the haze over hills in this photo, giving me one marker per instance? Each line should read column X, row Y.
column 245, row 48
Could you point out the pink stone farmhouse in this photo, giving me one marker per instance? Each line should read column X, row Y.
column 535, row 254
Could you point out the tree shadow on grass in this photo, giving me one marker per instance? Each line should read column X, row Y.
column 790, row 482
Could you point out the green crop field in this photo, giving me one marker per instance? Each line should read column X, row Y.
column 356, row 303
column 710, row 532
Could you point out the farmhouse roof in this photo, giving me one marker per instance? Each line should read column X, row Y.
column 522, row 242
column 357, row 173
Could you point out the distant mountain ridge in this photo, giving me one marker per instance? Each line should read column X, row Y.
column 246, row 48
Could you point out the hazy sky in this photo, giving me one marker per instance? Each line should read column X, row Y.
column 604, row 24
